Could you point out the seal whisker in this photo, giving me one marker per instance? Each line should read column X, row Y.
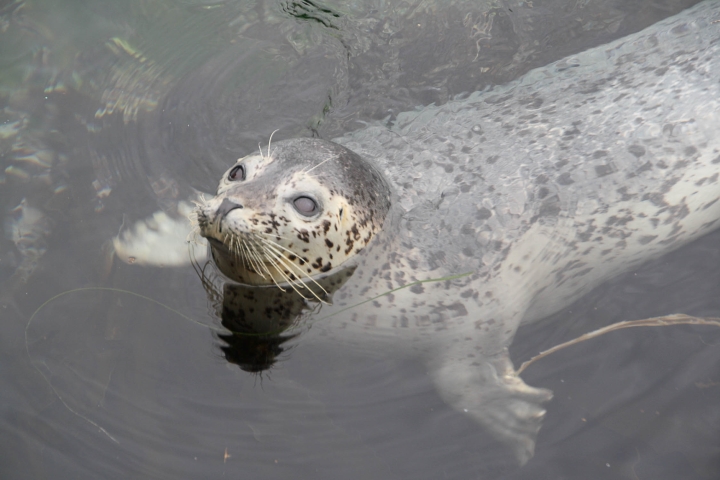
column 268, row 236
column 195, row 230
column 313, row 168
column 194, row 236
column 290, row 263
column 282, row 274
column 199, row 201
column 235, row 249
column 241, row 247
column 274, row 264
column 283, row 260
column 247, row 261
column 240, row 250
column 255, row 260
column 278, row 256
column 230, row 240
column 259, row 261
column 270, row 141
column 277, row 245
column 274, row 258
column 294, row 283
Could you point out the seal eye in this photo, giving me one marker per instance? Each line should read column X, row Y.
column 237, row 173
column 305, row 206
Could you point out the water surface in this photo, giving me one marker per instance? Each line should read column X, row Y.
column 112, row 110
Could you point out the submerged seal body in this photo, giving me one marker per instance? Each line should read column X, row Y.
column 519, row 199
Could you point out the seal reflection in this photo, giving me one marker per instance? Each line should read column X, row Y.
column 261, row 319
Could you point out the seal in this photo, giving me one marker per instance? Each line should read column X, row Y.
column 463, row 221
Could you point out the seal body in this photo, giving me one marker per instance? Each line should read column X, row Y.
column 542, row 189
column 573, row 173
column 492, row 210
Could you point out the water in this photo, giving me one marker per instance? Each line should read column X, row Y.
column 113, row 110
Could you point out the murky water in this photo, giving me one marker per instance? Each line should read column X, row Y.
column 112, row 110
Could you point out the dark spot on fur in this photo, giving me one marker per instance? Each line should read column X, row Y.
column 657, row 199
column 613, row 220
column 483, row 214
column 603, row 170
column 550, row 207
column 637, row 150
column 565, row 179
column 356, row 234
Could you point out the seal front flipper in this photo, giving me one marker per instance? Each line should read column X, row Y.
column 489, row 390
column 161, row 240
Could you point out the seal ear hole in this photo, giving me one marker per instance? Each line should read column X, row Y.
column 340, row 215
column 236, row 173
column 305, row 206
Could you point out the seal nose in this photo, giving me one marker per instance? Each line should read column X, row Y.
column 226, row 207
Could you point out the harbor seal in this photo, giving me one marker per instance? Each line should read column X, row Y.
column 505, row 206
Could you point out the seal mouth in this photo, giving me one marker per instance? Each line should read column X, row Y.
column 220, row 249
column 255, row 266
column 218, row 245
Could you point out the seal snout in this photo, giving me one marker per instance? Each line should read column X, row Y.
column 226, row 207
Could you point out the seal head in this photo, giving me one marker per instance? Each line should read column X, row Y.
column 298, row 211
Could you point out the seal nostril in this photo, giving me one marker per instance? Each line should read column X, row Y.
column 226, row 207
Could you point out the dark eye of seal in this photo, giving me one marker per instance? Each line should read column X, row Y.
column 305, row 206
column 237, row 173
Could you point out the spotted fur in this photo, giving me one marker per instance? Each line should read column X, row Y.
column 540, row 190
column 537, row 190
column 266, row 240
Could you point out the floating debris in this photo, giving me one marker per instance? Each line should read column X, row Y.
column 28, row 228
column 101, row 191
column 38, row 158
column 9, row 129
column 18, row 173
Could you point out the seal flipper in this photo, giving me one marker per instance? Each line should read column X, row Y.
column 489, row 390
column 161, row 240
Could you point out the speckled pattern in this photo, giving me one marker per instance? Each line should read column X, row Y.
column 577, row 171
column 540, row 190
column 258, row 237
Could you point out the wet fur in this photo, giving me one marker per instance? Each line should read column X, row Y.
column 540, row 189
